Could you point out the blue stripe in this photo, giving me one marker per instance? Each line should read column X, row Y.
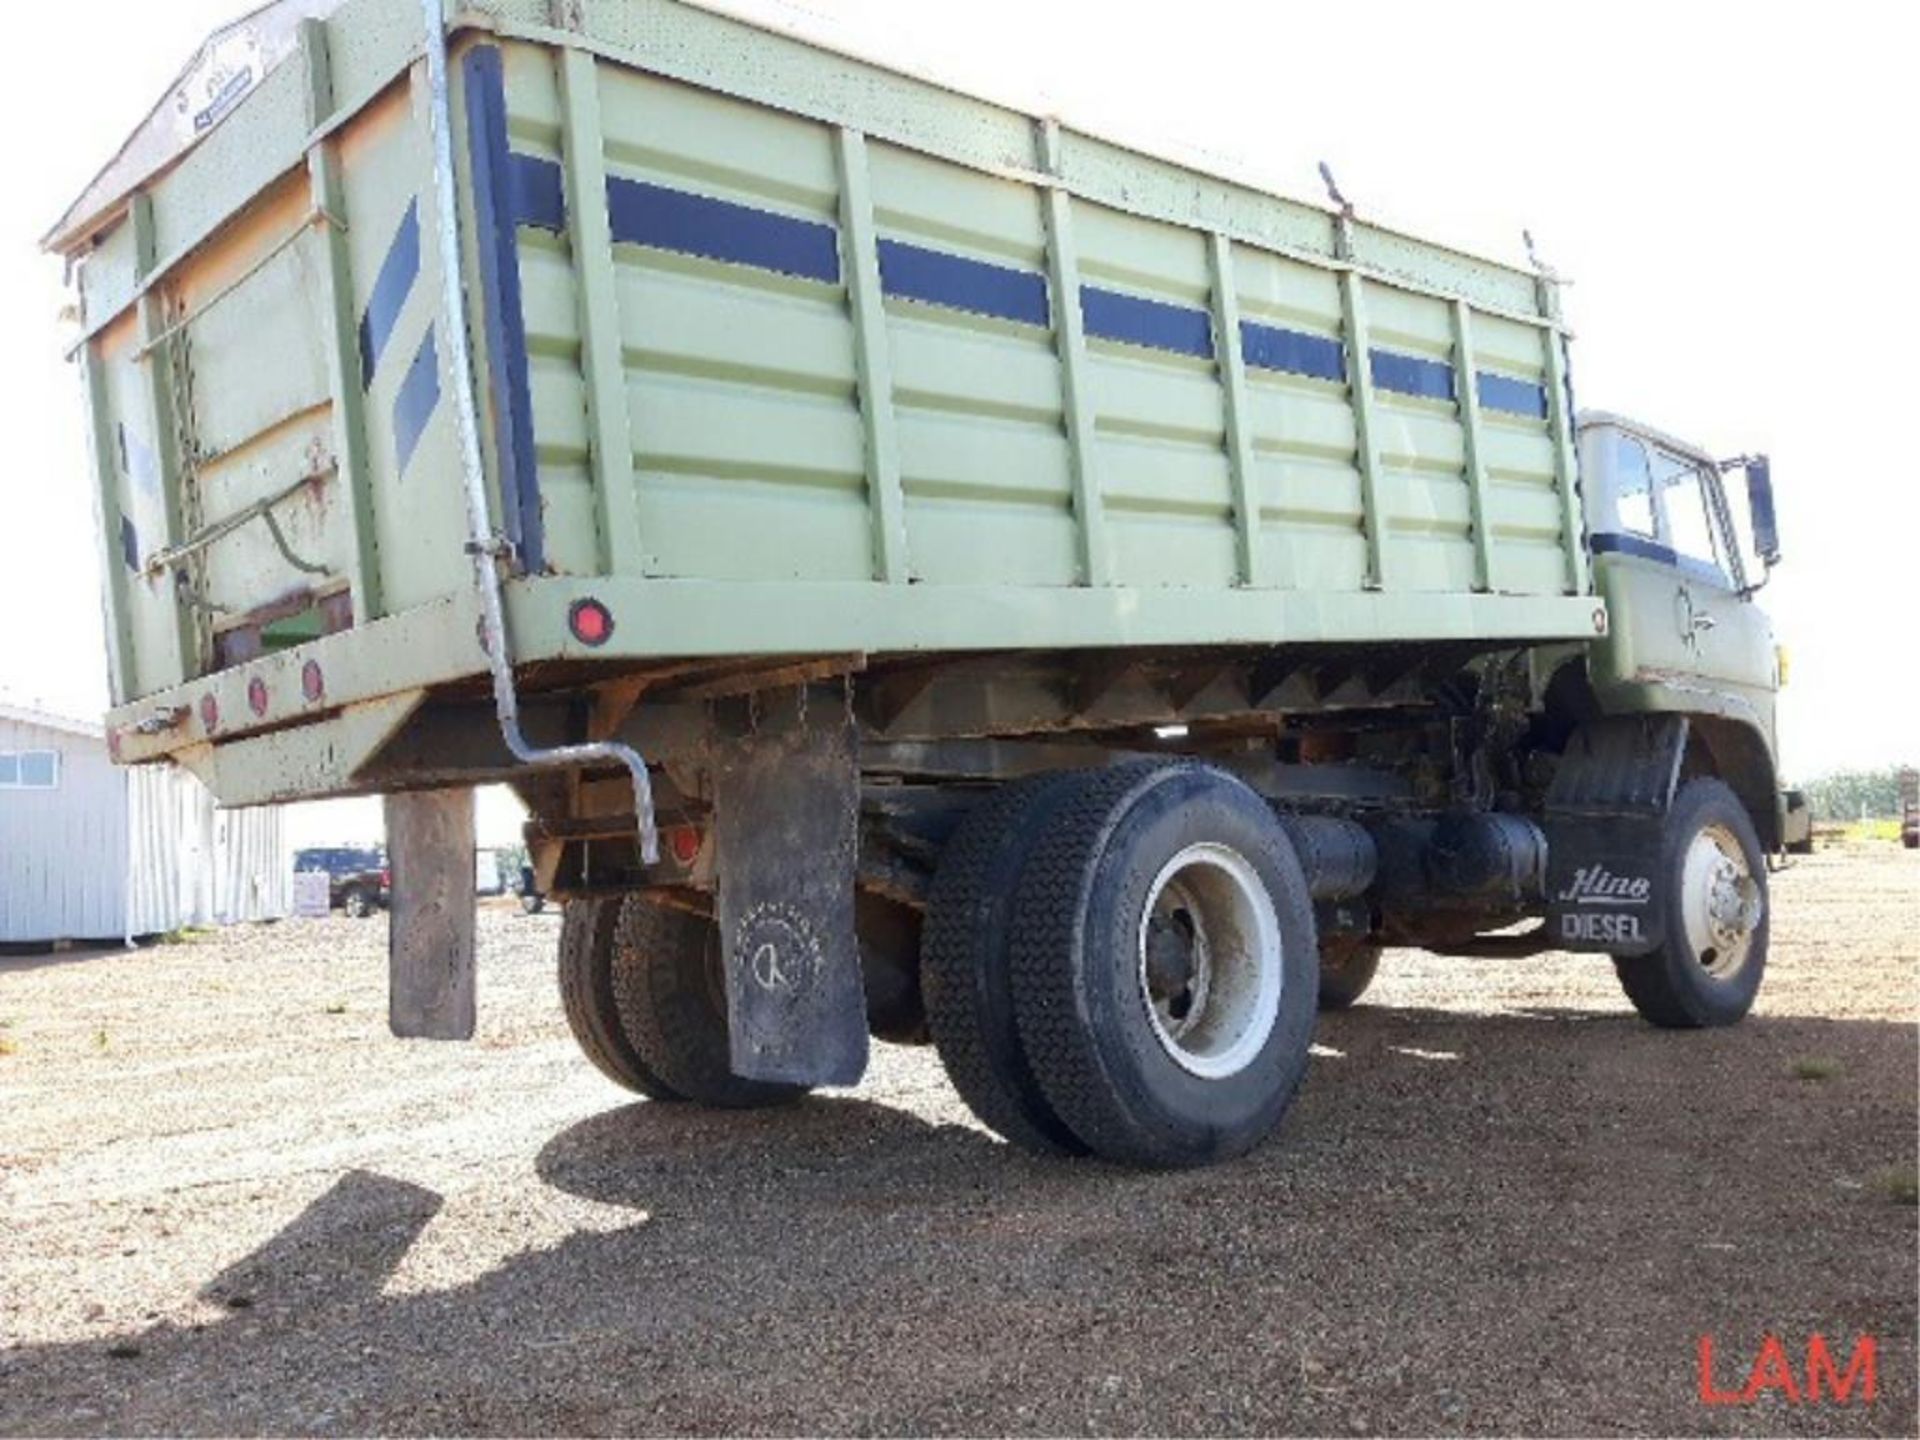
column 936, row 278
column 1154, row 324
column 1613, row 542
column 418, row 398
column 1512, row 397
column 1266, row 347
column 536, row 195
column 1409, row 375
column 391, row 287
column 508, row 385
column 664, row 219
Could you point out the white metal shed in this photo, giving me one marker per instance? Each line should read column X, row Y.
column 90, row 851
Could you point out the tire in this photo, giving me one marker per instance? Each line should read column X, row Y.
column 669, row 987
column 531, row 903
column 1347, row 968
column 586, row 995
column 1138, row 876
column 1697, row 979
column 1911, row 840
column 358, row 904
column 964, row 974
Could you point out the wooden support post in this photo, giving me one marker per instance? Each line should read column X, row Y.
column 168, row 439
column 1070, row 333
column 602, row 343
column 1233, row 382
column 1360, row 383
column 867, row 304
column 1466, row 380
column 430, row 945
column 327, row 182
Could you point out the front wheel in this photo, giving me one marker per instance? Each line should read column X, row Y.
column 1163, row 963
column 357, row 903
column 1712, row 882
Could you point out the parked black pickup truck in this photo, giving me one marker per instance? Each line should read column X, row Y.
column 358, row 876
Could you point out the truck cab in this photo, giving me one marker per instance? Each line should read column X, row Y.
column 1679, row 568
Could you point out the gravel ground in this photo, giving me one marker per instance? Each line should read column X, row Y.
column 229, row 1203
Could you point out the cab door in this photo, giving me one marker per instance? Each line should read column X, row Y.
column 1727, row 637
column 1666, row 562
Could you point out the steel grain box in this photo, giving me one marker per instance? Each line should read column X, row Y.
column 778, row 352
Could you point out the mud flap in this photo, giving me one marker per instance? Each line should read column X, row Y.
column 1605, row 824
column 1604, row 884
column 430, row 980
column 787, row 797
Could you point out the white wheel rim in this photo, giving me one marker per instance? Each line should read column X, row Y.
column 1210, row 969
column 1720, row 902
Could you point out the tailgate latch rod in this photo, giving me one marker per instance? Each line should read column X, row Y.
column 481, row 542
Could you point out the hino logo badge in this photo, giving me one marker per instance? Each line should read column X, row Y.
column 1597, row 885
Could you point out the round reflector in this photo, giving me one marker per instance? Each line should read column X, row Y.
column 257, row 696
column 683, row 843
column 591, row 622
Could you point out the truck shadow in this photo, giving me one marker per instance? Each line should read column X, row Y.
column 1531, row 1181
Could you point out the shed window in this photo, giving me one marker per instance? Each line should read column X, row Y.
column 29, row 769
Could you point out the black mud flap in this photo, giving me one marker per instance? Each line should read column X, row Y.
column 430, row 981
column 1605, row 823
column 1604, row 884
column 787, row 797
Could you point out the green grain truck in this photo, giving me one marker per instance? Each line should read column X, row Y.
column 929, row 572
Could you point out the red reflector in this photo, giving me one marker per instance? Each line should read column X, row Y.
column 209, row 713
column 591, row 622
column 683, row 843
column 313, row 684
column 257, row 696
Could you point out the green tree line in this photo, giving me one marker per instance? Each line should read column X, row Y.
column 1855, row 794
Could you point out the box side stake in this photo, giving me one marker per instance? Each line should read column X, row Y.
column 1466, row 380
column 610, row 426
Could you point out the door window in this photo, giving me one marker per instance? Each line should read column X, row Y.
column 1632, row 487
column 1693, row 530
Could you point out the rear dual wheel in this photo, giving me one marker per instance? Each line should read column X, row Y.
column 644, row 992
column 1123, row 962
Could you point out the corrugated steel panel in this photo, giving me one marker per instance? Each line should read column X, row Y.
column 193, row 864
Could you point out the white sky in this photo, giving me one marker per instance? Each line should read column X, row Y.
column 1731, row 187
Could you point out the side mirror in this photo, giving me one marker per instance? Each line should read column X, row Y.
column 1766, row 527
